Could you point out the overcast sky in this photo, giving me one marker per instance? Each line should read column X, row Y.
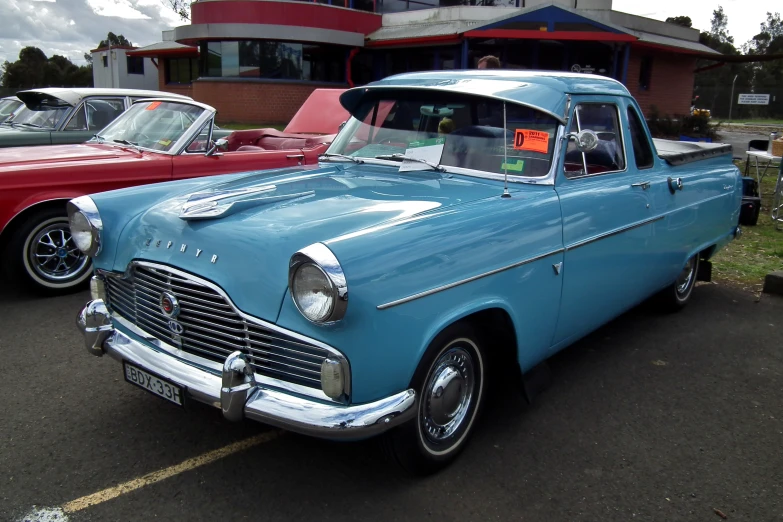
column 73, row 27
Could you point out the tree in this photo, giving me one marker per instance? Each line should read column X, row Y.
column 719, row 26
column 113, row 40
column 33, row 69
column 88, row 58
column 684, row 21
column 181, row 7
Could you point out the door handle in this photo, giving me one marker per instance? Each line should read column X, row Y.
column 644, row 184
column 295, row 156
column 675, row 184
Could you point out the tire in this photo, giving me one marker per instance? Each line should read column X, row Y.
column 676, row 296
column 445, row 420
column 43, row 257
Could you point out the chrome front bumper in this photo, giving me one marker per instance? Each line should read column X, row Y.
column 238, row 394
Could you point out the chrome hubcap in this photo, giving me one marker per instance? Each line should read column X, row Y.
column 53, row 254
column 448, row 394
column 686, row 276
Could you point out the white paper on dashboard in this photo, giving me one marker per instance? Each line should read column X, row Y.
column 429, row 150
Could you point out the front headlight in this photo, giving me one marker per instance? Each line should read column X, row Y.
column 86, row 225
column 317, row 284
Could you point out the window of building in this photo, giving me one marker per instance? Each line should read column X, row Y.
column 105, row 61
column 135, row 64
column 645, row 73
column 181, row 70
column 609, row 155
column 642, row 150
column 275, row 60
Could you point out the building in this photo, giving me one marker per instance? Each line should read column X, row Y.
column 113, row 67
column 258, row 60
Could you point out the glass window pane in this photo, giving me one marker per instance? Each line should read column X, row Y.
column 173, row 70
column 214, row 59
column 101, row 112
column 249, row 59
column 78, row 121
column 182, row 71
column 641, row 144
column 229, row 57
column 193, row 69
column 608, row 156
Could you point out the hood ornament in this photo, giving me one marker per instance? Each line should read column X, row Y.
column 220, row 203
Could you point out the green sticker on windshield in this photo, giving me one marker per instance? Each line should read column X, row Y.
column 517, row 167
column 426, row 143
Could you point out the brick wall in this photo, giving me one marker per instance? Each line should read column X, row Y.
column 671, row 82
column 253, row 102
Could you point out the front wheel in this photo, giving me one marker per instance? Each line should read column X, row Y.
column 449, row 383
column 43, row 255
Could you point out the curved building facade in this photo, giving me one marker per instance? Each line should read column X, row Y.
column 256, row 61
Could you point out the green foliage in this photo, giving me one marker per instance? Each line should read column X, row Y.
column 33, row 69
column 667, row 127
column 114, row 40
column 684, row 21
column 181, row 7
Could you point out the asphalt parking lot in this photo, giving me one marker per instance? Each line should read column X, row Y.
column 652, row 417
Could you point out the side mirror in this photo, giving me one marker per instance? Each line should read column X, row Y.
column 221, row 144
column 586, row 140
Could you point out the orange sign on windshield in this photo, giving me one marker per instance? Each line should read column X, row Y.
column 534, row 141
column 152, row 106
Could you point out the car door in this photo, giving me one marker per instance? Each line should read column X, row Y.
column 194, row 161
column 607, row 224
column 89, row 118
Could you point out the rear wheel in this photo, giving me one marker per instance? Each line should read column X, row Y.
column 677, row 295
column 449, row 384
column 42, row 254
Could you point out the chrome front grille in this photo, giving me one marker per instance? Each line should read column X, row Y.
column 213, row 328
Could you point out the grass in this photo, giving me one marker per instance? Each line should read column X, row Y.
column 246, row 126
column 745, row 261
column 756, row 122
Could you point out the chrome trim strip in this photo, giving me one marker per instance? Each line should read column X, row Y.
column 614, row 232
column 468, row 280
column 313, row 392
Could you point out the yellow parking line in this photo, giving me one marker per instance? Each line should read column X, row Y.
column 163, row 474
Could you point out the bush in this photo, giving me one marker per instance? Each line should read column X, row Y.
column 667, row 127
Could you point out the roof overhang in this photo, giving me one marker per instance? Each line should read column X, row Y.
column 192, row 34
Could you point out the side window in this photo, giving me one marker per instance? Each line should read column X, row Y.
column 201, row 142
column 609, row 155
column 102, row 111
column 642, row 150
column 78, row 121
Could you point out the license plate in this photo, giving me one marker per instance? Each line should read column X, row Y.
column 154, row 384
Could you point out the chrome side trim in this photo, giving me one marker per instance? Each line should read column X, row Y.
column 313, row 392
column 468, row 280
column 614, row 232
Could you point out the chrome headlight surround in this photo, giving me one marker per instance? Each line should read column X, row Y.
column 84, row 220
column 321, row 258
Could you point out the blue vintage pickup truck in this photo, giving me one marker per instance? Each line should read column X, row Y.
column 461, row 223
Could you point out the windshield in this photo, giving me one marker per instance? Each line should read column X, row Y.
column 470, row 129
column 46, row 119
column 155, row 125
column 7, row 108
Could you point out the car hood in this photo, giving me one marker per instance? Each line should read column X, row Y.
column 12, row 158
column 246, row 251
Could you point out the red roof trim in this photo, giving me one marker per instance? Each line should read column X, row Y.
column 166, row 52
column 522, row 34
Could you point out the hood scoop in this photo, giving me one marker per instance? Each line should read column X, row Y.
column 213, row 204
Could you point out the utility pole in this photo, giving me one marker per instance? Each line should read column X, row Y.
column 731, row 103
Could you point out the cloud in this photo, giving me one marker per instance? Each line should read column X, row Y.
column 74, row 27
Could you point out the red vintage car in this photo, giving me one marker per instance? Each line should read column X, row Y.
column 155, row 140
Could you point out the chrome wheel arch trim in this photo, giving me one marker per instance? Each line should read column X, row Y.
column 312, row 392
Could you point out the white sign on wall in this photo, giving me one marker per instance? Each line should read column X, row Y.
column 753, row 99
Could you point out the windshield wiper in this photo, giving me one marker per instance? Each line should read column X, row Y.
column 403, row 157
column 126, row 142
column 342, row 156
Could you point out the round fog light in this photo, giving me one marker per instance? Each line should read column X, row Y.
column 332, row 379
